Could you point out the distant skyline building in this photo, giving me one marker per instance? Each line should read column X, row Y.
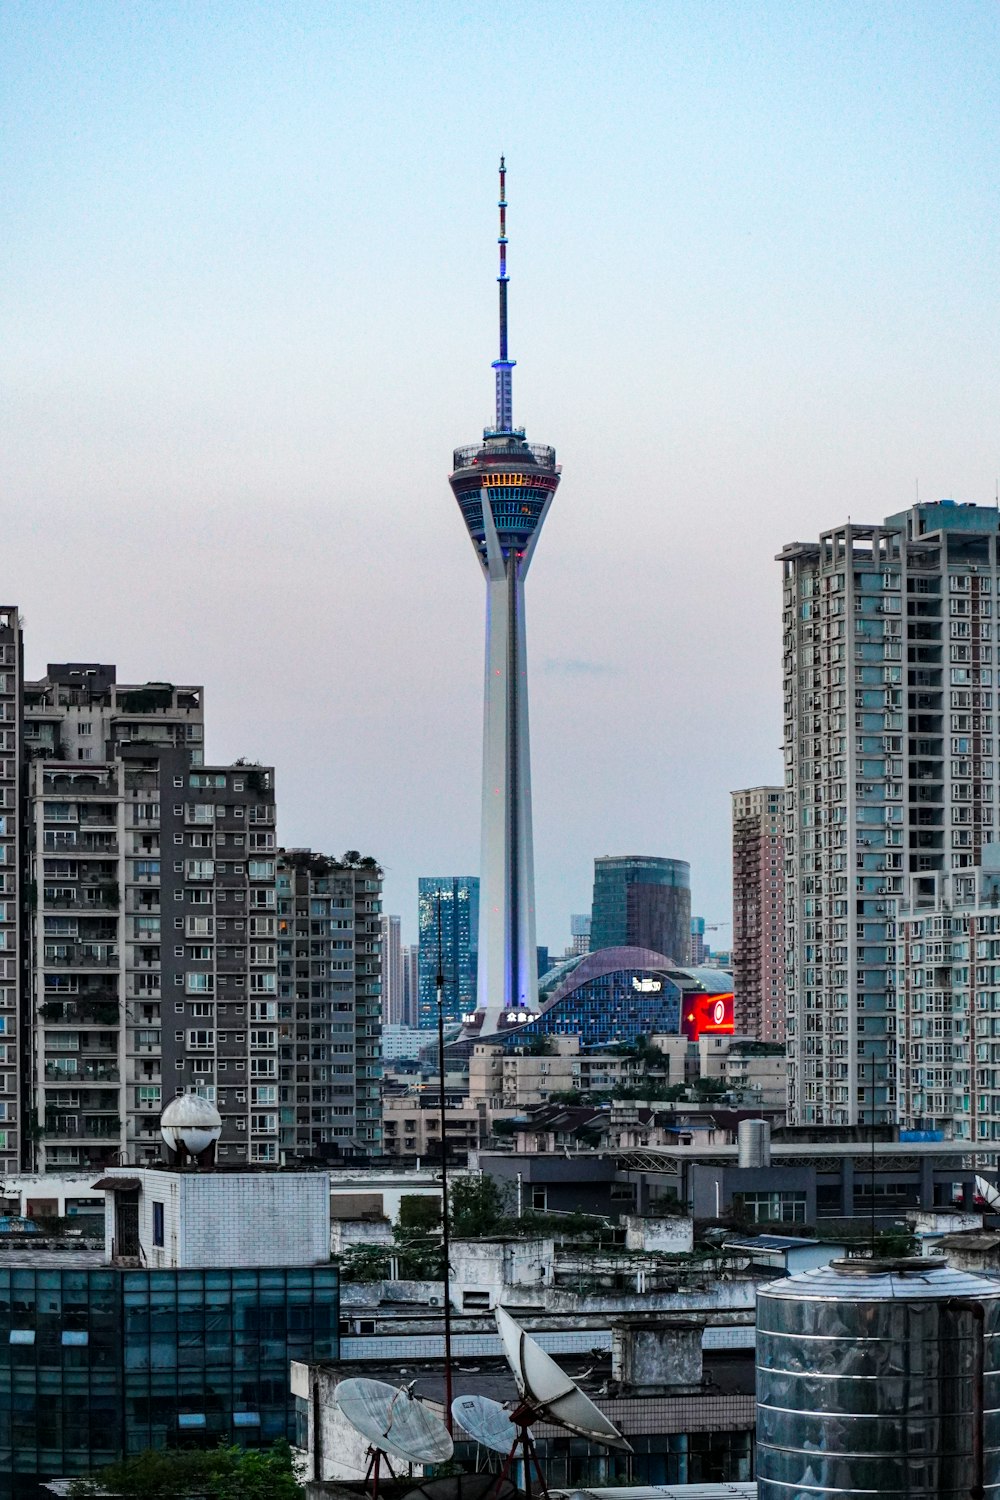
column 392, row 971
column 759, row 912
column 411, row 983
column 699, row 948
column 579, row 933
column 890, row 780
column 456, row 897
column 504, row 487
column 642, row 901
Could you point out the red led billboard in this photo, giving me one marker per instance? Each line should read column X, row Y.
column 707, row 1015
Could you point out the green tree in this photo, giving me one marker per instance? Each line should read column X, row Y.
column 364, row 1263
column 420, row 1212
column 223, row 1473
column 478, row 1207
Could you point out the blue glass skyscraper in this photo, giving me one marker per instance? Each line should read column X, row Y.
column 457, row 899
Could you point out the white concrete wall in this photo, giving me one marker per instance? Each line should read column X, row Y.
column 59, row 1186
column 669, row 1236
column 231, row 1218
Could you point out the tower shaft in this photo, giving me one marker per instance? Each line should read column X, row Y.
column 507, row 962
column 504, row 487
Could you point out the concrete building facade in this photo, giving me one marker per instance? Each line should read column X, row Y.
column 14, row 1029
column 391, row 951
column 758, row 954
column 948, row 991
column 891, row 771
column 329, row 1006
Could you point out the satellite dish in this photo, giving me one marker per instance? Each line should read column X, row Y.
column 486, row 1421
column 550, row 1391
column 394, row 1422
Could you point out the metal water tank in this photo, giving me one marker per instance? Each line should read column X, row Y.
column 753, row 1147
column 878, row 1377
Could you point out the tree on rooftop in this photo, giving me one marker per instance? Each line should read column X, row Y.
column 223, row 1473
column 478, row 1206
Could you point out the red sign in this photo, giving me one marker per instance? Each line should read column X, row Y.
column 707, row 1015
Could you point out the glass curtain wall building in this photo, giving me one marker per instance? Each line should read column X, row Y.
column 642, row 901
column 99, row 1361
column 456, row 898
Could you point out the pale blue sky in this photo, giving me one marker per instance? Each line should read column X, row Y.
column 248, row 302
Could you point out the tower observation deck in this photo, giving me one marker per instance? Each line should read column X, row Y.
column 504, row 487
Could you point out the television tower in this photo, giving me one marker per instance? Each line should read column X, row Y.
column 504, row 487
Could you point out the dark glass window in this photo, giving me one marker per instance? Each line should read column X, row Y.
column 157, row 1223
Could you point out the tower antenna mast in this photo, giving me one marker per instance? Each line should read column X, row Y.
column 504, row 366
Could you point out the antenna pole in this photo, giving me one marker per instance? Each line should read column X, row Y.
column 445, row 1210
column 504, row 366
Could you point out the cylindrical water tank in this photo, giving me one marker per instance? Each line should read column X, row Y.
column 878, row 1378
column 753, row 1138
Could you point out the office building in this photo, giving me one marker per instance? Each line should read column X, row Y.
column 759, row 912
column 181, row 1330
column 15, row 1105
column 891, row 771
column 579, row 933
column 329, row 1006
column 448, row 916
column 642, row 901
column 504, row 487
column 391, row 950
column 699, row 948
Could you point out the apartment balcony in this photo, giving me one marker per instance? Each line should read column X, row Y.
column 72, row 844
column 79, row 1012
column 89, row 1074
column 80, row 956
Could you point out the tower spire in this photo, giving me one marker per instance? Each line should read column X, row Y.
column 504, row 366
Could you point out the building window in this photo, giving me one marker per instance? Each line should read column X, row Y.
column 771, row 1208
column 158, row 1224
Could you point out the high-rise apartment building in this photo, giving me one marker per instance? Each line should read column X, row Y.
column 15, row 1035
column 759, row 912
column 448, row 915
column 642, row 901
column 504, row 487
column 329, row 1005
column 152, row 883
column 891, row 772
column 947, row 1062
column 391, row 950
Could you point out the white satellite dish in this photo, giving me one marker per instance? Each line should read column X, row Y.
column 550, row 1391
column 394, row 1422
column 486, row 1421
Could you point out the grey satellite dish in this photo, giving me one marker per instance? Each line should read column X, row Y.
column 486, row 1421
column 550, row 1391
column 394, row 1422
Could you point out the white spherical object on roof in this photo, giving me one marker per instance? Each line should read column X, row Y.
column 190, row 1123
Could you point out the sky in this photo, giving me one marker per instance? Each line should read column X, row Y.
column 249, row 306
